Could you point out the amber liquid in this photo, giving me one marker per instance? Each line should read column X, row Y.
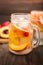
column 20, row 38
column 36, row 21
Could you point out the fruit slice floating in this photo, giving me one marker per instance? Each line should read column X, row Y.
column 23, row 36
column 18, row 47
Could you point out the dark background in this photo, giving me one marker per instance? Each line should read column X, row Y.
column 10, row 6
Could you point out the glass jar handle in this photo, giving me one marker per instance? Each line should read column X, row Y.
column 36, row 36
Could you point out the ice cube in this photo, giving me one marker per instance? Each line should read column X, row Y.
column 23, row 24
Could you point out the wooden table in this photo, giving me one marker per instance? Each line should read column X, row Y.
column 33, row 58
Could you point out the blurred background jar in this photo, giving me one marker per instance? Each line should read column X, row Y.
column 37, row 19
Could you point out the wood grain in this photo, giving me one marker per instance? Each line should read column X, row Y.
column 19, row 1
column 9, row 8
column 3, row 40
column 33, row 58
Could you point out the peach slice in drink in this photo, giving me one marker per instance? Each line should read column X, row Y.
column 19, row 38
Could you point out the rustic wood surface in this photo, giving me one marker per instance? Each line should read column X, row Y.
column 11, row 6
column 33, row 58
column 3, row 40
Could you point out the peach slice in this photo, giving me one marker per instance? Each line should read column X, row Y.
column 6, row 23
column 25, row 36
column 4, row 32
column 18, row 47
column 4, row 29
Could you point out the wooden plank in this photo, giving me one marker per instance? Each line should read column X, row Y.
column 33, row 58
column 19, row 1
column 3, row 40
column 20, row 7
column 4, row 18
